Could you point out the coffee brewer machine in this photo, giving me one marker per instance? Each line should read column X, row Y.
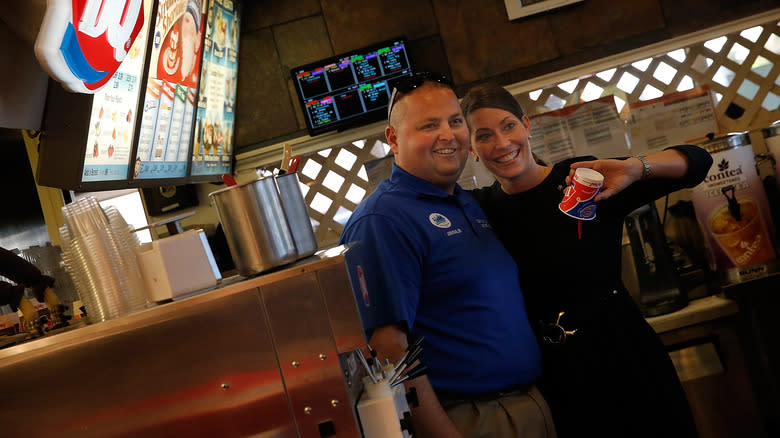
column 654, row 274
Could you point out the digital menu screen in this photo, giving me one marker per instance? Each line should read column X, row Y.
column 113, row 116
column 171, row 90
column 213, row 145
column 351, row 88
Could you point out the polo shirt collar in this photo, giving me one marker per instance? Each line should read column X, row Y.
column 423, row 187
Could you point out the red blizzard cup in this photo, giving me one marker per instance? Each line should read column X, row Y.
column 578, row 197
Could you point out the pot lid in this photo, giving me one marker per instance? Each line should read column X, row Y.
column 724, row 142
column 772, row 130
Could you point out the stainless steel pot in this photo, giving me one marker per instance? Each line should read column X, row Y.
column 297, row 214
column 255, row 226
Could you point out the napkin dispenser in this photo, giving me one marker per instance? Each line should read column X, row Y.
column 177, row 265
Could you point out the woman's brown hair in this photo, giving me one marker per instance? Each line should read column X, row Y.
column 490, row 95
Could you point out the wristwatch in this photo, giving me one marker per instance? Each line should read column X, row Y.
column 645, row 163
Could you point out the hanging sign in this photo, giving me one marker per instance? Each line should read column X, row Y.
column 82, row 42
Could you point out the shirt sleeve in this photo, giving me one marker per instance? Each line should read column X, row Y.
column 391, row 264
column 643, row 192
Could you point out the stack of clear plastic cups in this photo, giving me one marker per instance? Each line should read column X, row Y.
column 125, row 240
column 98, row 252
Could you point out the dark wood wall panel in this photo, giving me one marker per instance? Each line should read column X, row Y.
column 471, row 40
column 263, row 106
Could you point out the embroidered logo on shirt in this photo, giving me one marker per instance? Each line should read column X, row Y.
column 439, row 220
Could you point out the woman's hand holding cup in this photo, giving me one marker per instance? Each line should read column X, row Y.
column 618, row 174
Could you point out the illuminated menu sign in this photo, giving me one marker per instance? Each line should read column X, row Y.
column 114, row 112
column 213, row 135
column 338, row 91
column 170, row 93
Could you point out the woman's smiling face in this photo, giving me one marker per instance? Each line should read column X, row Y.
column 500, row 139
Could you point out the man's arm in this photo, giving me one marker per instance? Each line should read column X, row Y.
column 429, row 418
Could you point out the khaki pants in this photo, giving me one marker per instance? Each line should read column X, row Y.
column 513, row 415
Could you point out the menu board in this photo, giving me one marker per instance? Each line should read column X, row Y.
column 113, row 117
column 213, row 136
column 169, row 97
column 672, row 119
column 350, row 89
column 591, row 128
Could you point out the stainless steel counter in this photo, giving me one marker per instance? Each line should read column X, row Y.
column 264, row 356
column 697, row 311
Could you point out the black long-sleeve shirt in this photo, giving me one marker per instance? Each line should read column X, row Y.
column 613, row 377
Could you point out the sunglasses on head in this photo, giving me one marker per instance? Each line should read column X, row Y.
column 409, row 83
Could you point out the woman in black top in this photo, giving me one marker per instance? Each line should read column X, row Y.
column 612, row 377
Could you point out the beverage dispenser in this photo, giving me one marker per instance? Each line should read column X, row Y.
column 772, row 182
column 772, row 139
column 733, row 210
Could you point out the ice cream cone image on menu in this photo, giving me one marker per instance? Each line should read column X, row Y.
column 742, row 233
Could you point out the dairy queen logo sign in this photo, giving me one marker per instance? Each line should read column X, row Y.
column 82, row 42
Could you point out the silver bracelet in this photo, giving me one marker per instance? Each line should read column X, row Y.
column 645, row 163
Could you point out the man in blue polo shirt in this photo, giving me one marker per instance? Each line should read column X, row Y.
column 434, row 267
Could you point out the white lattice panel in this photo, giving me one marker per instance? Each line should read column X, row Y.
column 336, row 181
column 741, row 68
